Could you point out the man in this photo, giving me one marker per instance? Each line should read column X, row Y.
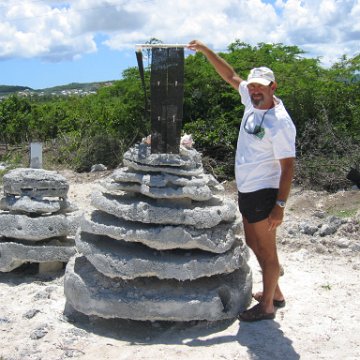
column 264, row 169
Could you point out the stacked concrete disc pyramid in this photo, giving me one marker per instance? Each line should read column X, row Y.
column 161, row 244
column 37, row 222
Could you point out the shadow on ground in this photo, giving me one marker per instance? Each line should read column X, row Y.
column 263, row 340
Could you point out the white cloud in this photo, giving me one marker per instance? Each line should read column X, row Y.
column 323, row 28
column 34, row 29
column 58, row 30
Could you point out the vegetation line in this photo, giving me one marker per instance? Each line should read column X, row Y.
column 324, row 104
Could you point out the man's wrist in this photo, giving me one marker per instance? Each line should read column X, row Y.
column 281, row 203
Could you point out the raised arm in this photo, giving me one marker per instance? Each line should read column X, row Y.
column 221, row 66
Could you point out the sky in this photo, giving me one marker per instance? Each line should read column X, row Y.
column 45, row 43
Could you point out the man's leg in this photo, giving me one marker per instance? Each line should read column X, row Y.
column 263, row 243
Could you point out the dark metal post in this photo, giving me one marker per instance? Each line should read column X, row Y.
column 167, row 94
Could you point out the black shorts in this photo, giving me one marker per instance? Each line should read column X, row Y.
column 256, row 206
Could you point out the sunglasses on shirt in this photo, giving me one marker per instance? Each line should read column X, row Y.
column 257, row 129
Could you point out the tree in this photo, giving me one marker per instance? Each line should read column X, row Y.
column 323, row 103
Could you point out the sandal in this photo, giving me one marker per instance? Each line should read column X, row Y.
column 256, row 314
column 277, row 303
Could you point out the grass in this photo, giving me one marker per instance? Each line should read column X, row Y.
column 326, row 287
column 347, row 213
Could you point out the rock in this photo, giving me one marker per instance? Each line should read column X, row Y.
column 25, row 204
column 3, row 166
column 320, row 214
column 162, row 237
column 35, row 183
column 169, row 170
column 37, row 220
column 39, row 333
column 98, row 167
column 34, row 229
column 31, row 313
column 210, row 298
column 355, row 247
column 162, row 244
column 327, row 229
column 307, row 229
column 197, row 193
column 163, row 180
column 342, row 243
column 130, row 260
column 141, row 154
column 4, row 320
column 202, row 215
column 13, row 255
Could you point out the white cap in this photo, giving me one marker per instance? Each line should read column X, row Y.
column 261, row 75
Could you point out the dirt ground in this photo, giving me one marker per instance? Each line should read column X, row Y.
column 320, row 321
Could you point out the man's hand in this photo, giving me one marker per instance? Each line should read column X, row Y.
column 196, row 45
column 276, row 217
column 221, row 66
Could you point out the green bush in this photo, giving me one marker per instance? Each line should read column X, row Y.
column 81, row 131
column 81, row 154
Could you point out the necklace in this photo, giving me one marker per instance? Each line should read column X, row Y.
column 257, row 128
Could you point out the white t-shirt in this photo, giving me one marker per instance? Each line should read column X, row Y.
column 257, row 163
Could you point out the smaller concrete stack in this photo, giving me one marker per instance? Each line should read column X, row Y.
column 37, row 222
column 162, row 244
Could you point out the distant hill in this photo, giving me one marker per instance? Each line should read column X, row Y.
column 10, row 89
column 6, row 90
column 76, row 86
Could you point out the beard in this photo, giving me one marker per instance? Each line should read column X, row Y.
column 258, row 101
